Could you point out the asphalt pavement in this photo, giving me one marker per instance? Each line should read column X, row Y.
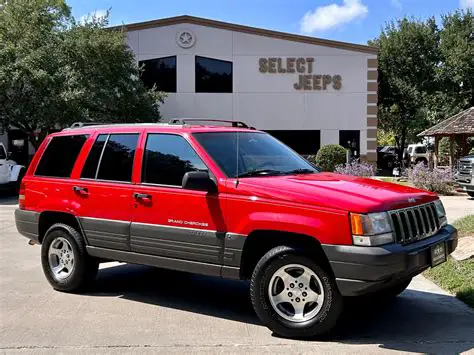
column 137, row 309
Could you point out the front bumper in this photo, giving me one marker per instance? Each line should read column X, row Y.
column 464, row 186
column 361, row 270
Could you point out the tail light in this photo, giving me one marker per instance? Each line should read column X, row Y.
column 21, row 196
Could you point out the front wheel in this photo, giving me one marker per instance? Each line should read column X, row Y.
column 293, row 296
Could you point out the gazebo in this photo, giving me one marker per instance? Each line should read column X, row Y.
column 460, row 125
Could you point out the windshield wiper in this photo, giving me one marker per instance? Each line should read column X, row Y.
column 259, row 172
column 300, row 171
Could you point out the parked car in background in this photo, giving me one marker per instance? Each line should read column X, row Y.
column 10, row 172
column 230, row 202
column 465, row 174
column 417, row 153
column 387, row 157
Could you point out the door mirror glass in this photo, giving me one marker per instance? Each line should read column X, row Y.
column 199, row 180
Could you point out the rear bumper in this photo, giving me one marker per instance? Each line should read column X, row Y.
column 361, row 270
column 27, row 223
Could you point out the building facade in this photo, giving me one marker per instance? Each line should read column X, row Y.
column 307, row 92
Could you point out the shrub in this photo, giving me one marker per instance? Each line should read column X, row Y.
column 329, row 156
column 436, row 180
column 356, row 169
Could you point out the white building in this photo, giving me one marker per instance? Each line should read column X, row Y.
column 308, row 92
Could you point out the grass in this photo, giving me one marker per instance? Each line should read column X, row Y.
column 454, row 276
column 465, row 225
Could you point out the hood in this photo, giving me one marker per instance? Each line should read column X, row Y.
column 350, row 193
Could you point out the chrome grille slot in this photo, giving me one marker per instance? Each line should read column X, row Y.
column 414, row 223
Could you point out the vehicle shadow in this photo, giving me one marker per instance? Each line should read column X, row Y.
column 7, row 199
column 414, row 322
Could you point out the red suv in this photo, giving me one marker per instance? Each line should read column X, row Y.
column 232, row 202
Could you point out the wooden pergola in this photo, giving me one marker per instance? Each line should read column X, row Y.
column 460, row 125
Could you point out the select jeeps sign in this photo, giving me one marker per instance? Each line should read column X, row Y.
column 306, row 80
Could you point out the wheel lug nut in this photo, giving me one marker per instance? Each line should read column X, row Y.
column 290, row 294
column 291, row 285
column 300, row 285
column 297, row 299
column 304, row 294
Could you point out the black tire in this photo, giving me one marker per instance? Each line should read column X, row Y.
column 470, row 193
column 85, row 267
column 321, row 323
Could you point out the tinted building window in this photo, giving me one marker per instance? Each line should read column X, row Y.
column 303, row 142
column 350, row 139
column 167, row 158
column 90, row 167
column 60, row 156
column 160, row 72
column 117, row 159
column 213, row 75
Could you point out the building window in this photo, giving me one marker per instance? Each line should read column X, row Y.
column 160, row 72
column 213, row 75
column 167, row 158
column 303, row 142
column 350, row 139
column 60, row 156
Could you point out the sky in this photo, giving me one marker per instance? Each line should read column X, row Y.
column 355, row 21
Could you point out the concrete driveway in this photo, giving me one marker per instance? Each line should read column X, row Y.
column 134, row 309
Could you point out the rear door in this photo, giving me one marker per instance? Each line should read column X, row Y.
column 103, row 190
column 168, row 220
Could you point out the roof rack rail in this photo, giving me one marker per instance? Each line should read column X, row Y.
column 84, row 124
column 186, row 120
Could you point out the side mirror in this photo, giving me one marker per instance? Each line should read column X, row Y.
column 199, row 180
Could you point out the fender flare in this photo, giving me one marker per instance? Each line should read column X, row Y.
column 15, row 172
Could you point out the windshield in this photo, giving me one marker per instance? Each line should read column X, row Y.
column 258, row 154
column 3, row 154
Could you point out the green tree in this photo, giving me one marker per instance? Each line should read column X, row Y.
column 408, row 55
column 55, row 71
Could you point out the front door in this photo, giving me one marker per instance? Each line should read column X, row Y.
column 103, row 191
column 167, row 220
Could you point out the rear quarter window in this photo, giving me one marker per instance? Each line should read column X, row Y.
column 60, row 156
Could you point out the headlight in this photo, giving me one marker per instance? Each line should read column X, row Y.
column 440, row 212
column 371, row 229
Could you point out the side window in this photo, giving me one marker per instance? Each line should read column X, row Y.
column 213, row 75
column 117, row 158
column 89, row 170
column 167, row 158
column 60, row 156
column 420, row 150
column 3, row 154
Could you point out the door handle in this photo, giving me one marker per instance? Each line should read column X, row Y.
column 142, row 197
column 80, row 190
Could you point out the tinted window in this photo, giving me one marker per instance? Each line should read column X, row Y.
column 160, row 72
column 420, row 150
column 303, row 142
column 60, row 156
column 3, row 154
column 167, row 158
column 117, row 160
column 254, row 152
column 213, row 75
column 90, row 167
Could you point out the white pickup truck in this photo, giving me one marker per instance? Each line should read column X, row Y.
column 10, row 172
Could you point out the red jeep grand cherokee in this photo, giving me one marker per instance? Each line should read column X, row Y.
column 230, row 202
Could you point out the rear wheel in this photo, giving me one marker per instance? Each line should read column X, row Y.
column 293, row 296
column 65, row 262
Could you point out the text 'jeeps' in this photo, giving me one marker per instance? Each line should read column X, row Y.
column 232, row 202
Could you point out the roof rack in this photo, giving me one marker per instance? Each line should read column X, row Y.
column 84, row 124
column 183, row 121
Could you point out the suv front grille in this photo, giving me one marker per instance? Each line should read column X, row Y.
column 465, row 167
column 414, row 223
